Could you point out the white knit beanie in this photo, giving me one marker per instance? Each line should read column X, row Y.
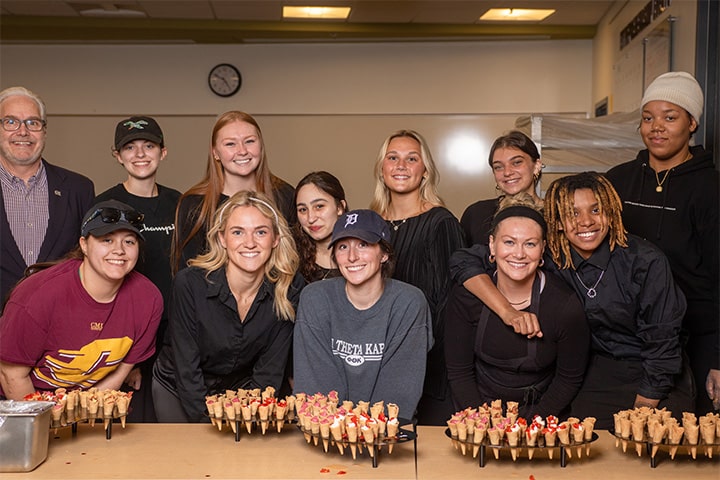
column 679, row 88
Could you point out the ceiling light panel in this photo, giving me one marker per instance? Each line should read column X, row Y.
column 516, row 14
column 316, row 12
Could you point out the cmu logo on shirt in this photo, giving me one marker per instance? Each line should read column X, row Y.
column 356, row 354
column 98, row 326
column 84, row 367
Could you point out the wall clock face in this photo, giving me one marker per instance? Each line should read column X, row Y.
column 224, row 80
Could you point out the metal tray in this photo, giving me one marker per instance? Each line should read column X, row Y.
column 652, row 448
column 403, row 435
column 565, row 450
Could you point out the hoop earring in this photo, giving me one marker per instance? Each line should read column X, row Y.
column 497, row 187
column 491, row 258
column 542, row 262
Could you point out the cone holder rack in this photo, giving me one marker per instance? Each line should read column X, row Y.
column 565, row 450
column 64, row 423
column 403, row 435
column 240, row 424
column 649, row 445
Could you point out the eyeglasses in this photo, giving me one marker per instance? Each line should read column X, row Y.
column 12, row 124
column 114, row 215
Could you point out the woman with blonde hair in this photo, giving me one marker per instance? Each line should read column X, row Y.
column 231, row 312
column 236, row 161
column 423, row 234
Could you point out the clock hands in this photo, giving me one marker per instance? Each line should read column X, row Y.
column 224, row 80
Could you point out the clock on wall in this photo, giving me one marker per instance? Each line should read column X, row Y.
column 224, row 80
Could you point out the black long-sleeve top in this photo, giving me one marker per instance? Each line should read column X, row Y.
column 487, row 360
column 682, row 220
column 423, row 245
column 476, row 220
column 189, row 209
column 211, row 350
column 636, row 314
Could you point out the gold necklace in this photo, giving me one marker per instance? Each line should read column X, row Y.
column 514, row 303
column 659, row 187
column 399, row 222
column 396, row 223
column 241, row 300
column 519, row 303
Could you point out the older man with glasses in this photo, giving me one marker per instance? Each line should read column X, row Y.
column 41, row 205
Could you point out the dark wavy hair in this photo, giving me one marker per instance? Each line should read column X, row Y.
column 387, row 268
column 306, row 246
column 519, row 141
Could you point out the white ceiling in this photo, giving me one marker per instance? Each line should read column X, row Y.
column 239, row 21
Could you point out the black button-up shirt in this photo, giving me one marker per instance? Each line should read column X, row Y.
column 637, row 311
column 208, row 349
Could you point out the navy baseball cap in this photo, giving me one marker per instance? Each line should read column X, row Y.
column 366, row 225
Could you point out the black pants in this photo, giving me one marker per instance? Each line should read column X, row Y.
column 167, row 406
column 702, row 350
column 142, row 409
column 610, row 385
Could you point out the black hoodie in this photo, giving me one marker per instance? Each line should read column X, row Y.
column 682, row 220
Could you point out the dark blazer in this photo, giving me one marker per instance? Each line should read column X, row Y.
column 70, row 196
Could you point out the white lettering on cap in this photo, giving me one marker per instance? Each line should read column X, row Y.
column 351, row 219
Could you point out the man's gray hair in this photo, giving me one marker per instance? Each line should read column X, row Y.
column 24, row 92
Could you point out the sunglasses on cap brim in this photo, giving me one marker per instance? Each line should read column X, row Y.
column 114, row 215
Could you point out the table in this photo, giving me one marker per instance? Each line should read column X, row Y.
column 438, row 459
column 199, row 451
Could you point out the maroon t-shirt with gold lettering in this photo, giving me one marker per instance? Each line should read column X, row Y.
column 53, row 325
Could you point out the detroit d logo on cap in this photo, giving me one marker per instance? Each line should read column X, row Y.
column 351, row 219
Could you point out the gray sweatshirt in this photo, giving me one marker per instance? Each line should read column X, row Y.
column 371, row 355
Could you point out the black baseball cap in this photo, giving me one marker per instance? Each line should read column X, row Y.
column 138, row 128
column 366, row 225
column 109, row 216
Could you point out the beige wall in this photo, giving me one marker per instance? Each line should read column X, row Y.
column 320, row 106
column 609, row 60
column 326, row 106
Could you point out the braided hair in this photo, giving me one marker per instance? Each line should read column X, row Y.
column 559, row 206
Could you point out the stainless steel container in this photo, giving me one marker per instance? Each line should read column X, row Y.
column 24, row 434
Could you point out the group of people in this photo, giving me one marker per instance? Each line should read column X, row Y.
column 600, row 297
column 638, row 250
